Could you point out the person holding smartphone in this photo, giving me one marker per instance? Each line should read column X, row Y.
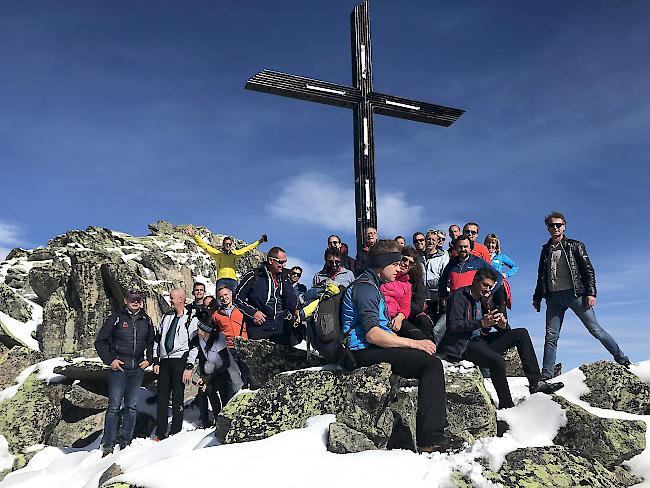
column 478, row 332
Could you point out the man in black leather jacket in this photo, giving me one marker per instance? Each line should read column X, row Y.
column 566, row 279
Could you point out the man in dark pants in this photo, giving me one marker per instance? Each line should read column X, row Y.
column 366, row 321
column 470, row 318
column 173, row 363
column 125, row 343
column 566, row 279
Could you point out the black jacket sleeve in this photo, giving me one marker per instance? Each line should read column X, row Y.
column 537, row 296
column 418, row 298
column 587, row 273
column 443, row 282
column 103, row 340
column 458, row 321
column 243, row 291
column 150, row 338
column 225, row 357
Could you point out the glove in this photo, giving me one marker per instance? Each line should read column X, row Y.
column 264, row 238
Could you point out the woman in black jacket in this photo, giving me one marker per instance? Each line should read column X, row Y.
column 418, row 316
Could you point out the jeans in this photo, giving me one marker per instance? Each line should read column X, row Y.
column 121, row 385
column 557, row 304
column 228, row 283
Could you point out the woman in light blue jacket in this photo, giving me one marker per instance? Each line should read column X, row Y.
column 503, row 264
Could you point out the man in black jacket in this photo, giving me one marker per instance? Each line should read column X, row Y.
column 125, row 343
column 268, row 301
column 470, row 318
column 363, row 256
column 566, row 279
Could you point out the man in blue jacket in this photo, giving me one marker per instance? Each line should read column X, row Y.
column 371, row 340
column 268, row 301
column 125, row 343
column 470, row 318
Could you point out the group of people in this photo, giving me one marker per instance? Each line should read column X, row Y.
column 409, row 306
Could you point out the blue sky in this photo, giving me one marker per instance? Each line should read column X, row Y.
column 119, row 114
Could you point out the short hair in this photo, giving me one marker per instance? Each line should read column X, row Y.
column 431, row 233
column 554, row 215
column 483, row 273
column 332, row 252
column 415, row 234
column 198, row 283
column 227, row 238
column 493, row 237
column 274, row 251
column 472, row 223
column 296, row 267
column 223, row 287
column 384, row 246
column 441, row 233
column 462, row 237
column 452, row 226
column 399, row 237
column 333, row 235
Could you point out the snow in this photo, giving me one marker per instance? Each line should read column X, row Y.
column 45, row 372
column 21, row 331
column 6, row 458
column 642, row 370
column 195, row 453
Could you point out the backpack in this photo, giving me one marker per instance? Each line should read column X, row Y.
column 325, row 332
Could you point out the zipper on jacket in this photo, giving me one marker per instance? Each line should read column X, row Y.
column 135, row 338
column 573, row 280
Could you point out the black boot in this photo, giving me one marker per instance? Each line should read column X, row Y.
column 544, row 387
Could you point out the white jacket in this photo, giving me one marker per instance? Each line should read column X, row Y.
column 182, row 338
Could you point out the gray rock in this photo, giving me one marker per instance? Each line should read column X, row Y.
column 83, row 398
column 59, row 325
column 609, row 441
column 13, row 304
column 77, row 428
column 514, row 367
column 40, row 254
column 612, row 386
column 266, row 359
column 46, row 279
column 552, row 467
column 111, row 472
column 18, row 252
column 13, row 361
column 342, row 439
column 235, row 408
column 470, row 411
column 16, row 278
column 93, row 376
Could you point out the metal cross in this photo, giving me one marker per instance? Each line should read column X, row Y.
column 364, row 102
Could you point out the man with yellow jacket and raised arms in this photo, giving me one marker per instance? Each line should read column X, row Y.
column 225, row 258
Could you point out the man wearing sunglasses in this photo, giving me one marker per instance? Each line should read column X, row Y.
column 333, row 271
column 566, row 279
column 347, row 261
column 471, row 229
column 294, row 277
column 268, row 301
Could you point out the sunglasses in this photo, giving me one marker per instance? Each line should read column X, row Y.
column 472, row 232
column 408, row 261
column 555, row 225
column 279, row 261
column 334, row 243
column 419, row 240
column 296, row 274
column 333, row 261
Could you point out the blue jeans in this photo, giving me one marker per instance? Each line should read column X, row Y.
column 228, row 283
column 122, row 385
column 557, row 304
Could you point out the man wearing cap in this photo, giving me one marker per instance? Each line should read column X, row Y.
column 125, row 343
column 371, row 340
column 173, row 361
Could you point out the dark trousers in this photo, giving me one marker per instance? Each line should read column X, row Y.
column 410, row 330
column 432, row 401
column 216, row 392
column 170, row 380
column 122, row 385
column 487, row 352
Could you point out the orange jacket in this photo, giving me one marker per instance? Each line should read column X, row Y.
column 231, row 326
column 479, row 250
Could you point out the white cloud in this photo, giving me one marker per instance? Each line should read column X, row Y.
column 9, row 236
column 314, row 198
column 308, row 269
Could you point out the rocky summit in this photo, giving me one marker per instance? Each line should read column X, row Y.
column 53, row 388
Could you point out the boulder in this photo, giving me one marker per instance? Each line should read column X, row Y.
column 342, row 439
column 93, row 376
column 13, row 361
column 236, row 407
column 265, row 359
column 111, row 472
column 40, row 254
column 46, row 279
column 553, row 467
column 514, row 367
column 609, row 441
column 18, row 252
column 31, row 415
column 13, row 304
column 613, row 386
column 16, row 278
column 58, row 332
column 76, row 429
column 470, row 411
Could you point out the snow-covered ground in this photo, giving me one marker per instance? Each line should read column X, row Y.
column 300, row 457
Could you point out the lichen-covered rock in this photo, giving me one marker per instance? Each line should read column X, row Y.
column 552, row 467
column 265, row 359
column 612, row 386
column 59, row 319
column 284, row 403
column 93, row 375
column 470, row 411
column 236, row 407
column 403, row 406
column 112, row 471
column 13, row 304
column 13, row 361
column 609, row 441
column 30, row 416
column 45, row 279
column 16, row 278
column 342, row 439
column 72, row 431
column 81, row 397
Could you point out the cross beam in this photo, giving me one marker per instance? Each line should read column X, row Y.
column 364, row 103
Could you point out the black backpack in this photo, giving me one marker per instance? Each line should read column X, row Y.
column 325, row 332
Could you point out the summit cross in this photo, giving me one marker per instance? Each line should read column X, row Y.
column 364, row 102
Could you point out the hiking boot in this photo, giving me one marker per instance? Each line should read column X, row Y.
column 123, row 445
column 106, row 450
column 547, row 388
column 449, row 443
column 624, row 361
